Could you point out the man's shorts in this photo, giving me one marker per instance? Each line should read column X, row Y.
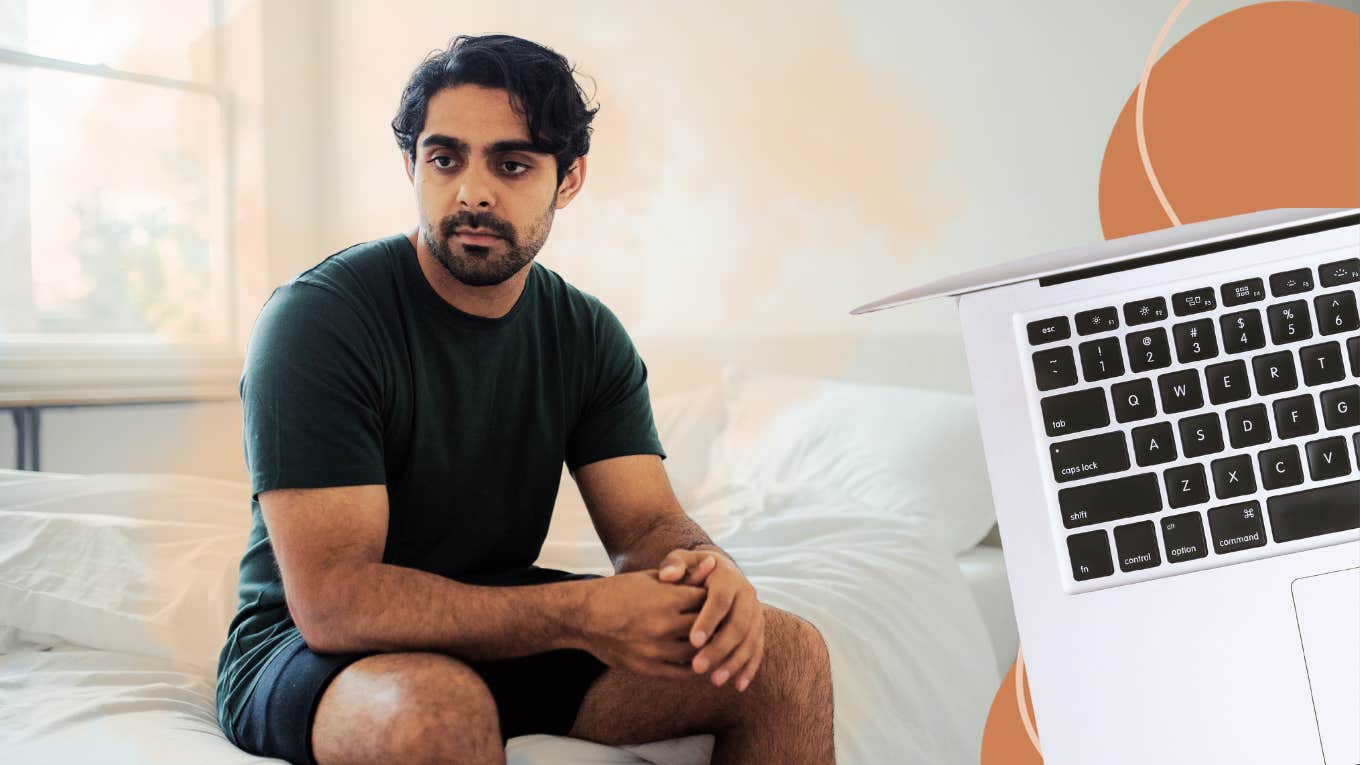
column 534, row 694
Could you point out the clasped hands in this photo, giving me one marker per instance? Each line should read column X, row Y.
column 729, row 632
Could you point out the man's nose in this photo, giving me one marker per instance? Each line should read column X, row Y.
column 475, row 190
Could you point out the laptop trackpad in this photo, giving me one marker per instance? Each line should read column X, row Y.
column 1328, row 607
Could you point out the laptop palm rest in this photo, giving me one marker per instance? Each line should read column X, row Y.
column 1328, row 609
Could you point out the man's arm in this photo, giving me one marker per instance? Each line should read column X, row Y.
column 642, row 525
column 329, row 545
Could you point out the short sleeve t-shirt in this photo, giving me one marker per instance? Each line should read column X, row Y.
column 358, row 372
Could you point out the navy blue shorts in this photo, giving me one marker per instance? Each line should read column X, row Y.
column 534, row 694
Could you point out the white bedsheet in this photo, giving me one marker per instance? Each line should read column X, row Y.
column 911, row 660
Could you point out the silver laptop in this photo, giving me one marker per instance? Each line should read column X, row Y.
column 1172, row 429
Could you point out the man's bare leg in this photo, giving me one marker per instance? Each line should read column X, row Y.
column 408, row 708
column 784, row 716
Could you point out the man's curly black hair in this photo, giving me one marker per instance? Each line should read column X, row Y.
column 539, row 80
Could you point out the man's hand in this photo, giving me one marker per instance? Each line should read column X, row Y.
column 731, row 610
column 637, row 622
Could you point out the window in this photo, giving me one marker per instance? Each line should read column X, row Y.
column 114, row 157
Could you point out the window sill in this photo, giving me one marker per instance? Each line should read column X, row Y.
column 109, row 371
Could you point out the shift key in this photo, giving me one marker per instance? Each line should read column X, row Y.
column 1109, row 500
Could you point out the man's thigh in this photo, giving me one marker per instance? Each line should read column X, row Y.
column 623, row 708
column 409, row 708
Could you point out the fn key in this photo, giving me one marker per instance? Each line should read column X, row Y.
column 1090, row 554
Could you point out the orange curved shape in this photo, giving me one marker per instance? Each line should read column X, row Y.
column 1258, row 108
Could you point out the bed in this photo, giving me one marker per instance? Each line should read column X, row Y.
column 862, row 508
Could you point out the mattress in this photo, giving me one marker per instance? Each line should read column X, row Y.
column 984, row 571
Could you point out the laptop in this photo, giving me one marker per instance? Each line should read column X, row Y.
column 1171, row 424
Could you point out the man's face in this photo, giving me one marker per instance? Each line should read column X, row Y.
column 476, row 171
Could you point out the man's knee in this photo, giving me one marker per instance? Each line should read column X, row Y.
column 797, row 666
column 413, row 707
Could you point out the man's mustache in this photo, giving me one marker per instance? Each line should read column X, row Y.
column 473, row 220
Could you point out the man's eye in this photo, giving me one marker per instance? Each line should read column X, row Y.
column 442, row 159
column 521, row 164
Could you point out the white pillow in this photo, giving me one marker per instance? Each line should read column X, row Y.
column 144, row 564
column 906, row 451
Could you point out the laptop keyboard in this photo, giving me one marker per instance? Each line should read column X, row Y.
column 1191, row 427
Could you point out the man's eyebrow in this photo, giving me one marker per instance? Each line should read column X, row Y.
column 499, row 147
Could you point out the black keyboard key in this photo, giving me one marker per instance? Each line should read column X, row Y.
column 1048, row 330
column 1201, row 435
column 1280, row 467
column 1090, row 555
column 1227, row 381
column 1244, row 291
column 1089, row 457
column 1180, row 391
column 1274, row 373
column 1313, row 512
column 1133, row 400
column 1340, row 272
column 1194, row 301
column 1183, row 536
column 1233, row 476
column 1336, row 313
column 1110, row 500
column 1295, row 416
column 1147, row 350
column 1237, row 527
column 1322, row 363
column 1101, row 359
column 1185, row 485
column 1054, row 368
column 1328, row 458
column 1353, row 350
column 1074, row 412
column 1341, row 407
column 1136, row 544
column 1195, row 340
column 1289, row 322
column 1242, row 331
column 1153, row 444
column 1097, row 320
column 1145, row 310
column 1291, row 282
column 1248, row 426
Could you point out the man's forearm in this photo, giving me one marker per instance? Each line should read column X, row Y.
column 670, row 532
column 382, row 607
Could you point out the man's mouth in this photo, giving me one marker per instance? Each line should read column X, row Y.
column 466, row 236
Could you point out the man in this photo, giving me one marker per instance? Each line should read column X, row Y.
column 409, row 403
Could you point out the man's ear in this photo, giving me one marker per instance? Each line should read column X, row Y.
column 571, row 182
column 409, row 165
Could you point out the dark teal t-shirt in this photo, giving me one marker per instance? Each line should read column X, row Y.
column 358, row 372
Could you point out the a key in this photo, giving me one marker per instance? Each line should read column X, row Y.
column 1054, row 368
column 1090, row 555
column 1144, row 311
column 1244, row 291
column 1180, row 391
column 1048, row 330
column 1295, row 416
column 1237, row 527
column 1194, row 301
column 1289, row 322
column 1227, row 381
column 1328, row 458
column 1109, row 500
column 1136, row 545
column 1147, row 350
column 1101, row 359
column 1195, row 340
column 1280, row 467
column 1133, row 400
column 1153, row 444
column 1336, row 313
column 1185, row 485
column 1291, row 282
column 1097, row 320
column 1341, row 407
column 1242, row 331
column 1313, row 512
column 1183, row 536
column 1200, row 435
column 1233, row 476
column 1248, row 425
column 1074, row 412
column 1274, row 373
column 1321, row 363
column 1089, row 457
column 1340, row 272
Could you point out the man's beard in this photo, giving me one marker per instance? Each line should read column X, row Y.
column 478, row 265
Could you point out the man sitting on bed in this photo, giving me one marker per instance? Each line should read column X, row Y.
column 409, row 403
